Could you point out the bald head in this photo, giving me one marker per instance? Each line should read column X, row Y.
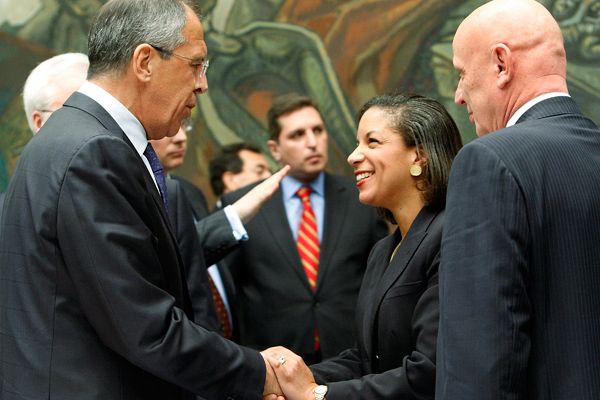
column 507, row 52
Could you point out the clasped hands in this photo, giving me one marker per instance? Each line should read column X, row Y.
column 288, row 377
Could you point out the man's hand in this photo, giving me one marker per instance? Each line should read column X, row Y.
column 247, row 206
column 272, row 391
column 294, row 377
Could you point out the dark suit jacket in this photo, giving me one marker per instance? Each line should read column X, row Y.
column 182, row 221
column 215, row 240
column 92, row 295
column 520, row 267
column 214, row 230
column 396, row 321
column 2, row 195
column 276, row 305
column 195, row 196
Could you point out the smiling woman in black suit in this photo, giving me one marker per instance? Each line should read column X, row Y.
column 405, row 146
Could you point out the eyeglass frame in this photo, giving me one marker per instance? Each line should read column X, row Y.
column 193, row 63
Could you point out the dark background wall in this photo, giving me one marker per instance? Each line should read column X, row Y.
column 340, row 52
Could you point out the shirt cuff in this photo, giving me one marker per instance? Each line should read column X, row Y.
column 237, row 228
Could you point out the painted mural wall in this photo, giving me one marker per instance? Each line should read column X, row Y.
column 340, row 52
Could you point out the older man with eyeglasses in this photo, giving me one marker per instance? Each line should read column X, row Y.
column 93, row 298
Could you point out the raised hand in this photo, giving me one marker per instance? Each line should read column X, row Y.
column 248, row 205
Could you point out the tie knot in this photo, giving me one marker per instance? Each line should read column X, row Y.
column 304, row 193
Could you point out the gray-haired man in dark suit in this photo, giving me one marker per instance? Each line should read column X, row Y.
column 93, row 298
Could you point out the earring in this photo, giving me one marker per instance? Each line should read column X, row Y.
column 416, row 170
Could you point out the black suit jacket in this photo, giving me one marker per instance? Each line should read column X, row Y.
column 215, row 239
column 520, row 267
column 396, row 321
column 182, row 221
column 92, row 295
column 2, row 194
column 214, row 230
column 276, row 305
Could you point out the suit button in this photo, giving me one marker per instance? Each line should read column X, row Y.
column 377, row 357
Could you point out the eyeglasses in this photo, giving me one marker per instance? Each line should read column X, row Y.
column 199, row 66
column 187, row 125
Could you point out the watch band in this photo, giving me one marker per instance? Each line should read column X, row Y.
column 320, row 392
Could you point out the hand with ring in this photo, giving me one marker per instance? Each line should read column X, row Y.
column 294, row 377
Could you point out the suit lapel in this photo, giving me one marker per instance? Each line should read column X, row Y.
column 88, row 105
column 378, row 263
column 277, row 224
column 335, row 215
column 395, row 269
column 84, row 103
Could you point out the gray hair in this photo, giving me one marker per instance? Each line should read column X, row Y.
column 122, row 25
column 45, row 81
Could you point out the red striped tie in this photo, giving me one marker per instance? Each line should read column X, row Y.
column 308, row 245
column 308, row 238
column 220, row 308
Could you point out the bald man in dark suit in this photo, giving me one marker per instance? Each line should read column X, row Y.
column 520, row 260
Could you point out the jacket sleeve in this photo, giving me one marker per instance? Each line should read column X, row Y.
column 484, row 344
column 216, row 237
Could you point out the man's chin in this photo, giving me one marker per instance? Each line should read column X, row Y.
column 306, row 175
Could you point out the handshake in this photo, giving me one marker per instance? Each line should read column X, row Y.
column 288, row 377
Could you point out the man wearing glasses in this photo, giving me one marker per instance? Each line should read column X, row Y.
column 93, row 299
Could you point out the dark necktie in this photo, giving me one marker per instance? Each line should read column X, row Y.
column 159, row 174
column 221, row 311
column 308, row 246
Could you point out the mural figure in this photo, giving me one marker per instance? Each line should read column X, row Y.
column 338, row 52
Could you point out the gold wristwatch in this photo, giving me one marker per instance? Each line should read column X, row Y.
column 320, row 392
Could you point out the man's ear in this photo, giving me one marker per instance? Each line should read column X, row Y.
column 37, row 120
column 143, row 61
column 502, row 59
column 274, row 149
column 228, row 179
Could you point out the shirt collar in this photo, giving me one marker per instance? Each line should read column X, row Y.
column 289, row 186
column 123, row 117
column 523, row 109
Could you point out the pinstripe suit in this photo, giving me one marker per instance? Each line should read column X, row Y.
column 520, row 266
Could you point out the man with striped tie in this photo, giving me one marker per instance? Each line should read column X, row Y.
column 297, row 277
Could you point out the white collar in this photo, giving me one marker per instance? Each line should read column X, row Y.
column 515, row 117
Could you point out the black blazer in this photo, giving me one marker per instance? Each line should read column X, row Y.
column 215, row 241
column 276, row 305
column 214, row 230
column 92, row 295
column 195, row 196
column 182, row 221
column 2, row 194
column 396, row 321
column 520, row 267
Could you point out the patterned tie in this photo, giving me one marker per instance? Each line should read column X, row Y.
column 159, row 174
column 221, row 311
column 308, row 245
